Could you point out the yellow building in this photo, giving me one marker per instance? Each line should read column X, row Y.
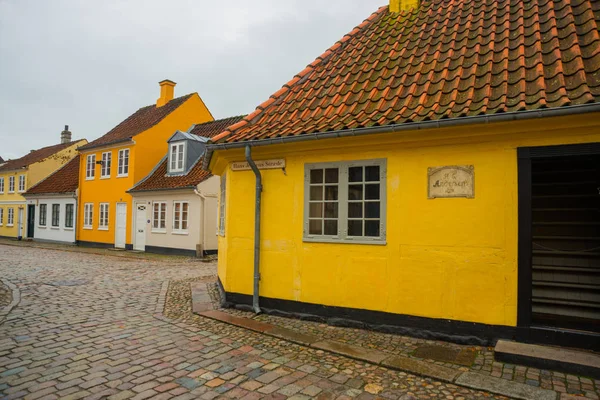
column 115, row 162
column 16, row 176
column 432, row 173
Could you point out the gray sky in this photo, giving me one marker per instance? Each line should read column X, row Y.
column 90, row 64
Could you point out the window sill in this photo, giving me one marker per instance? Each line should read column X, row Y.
column 55, row 228
column 378, row 242
column 123, row 176
column 10, row 225
column 89, row 179
column 68, row 229
column 105, row 177
column 11, row 192
column 22, row 191
column 41, row 227
column 102, row 229
column 88, row 227
column 161, row 232
column 180, row 233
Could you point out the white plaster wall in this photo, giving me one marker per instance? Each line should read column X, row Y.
column 49, row 232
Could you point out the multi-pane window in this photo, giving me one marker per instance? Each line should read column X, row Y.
column 2, row 185
column 43, row 211
column 106, row 162
column 11, row 184
column 21, row 183
column 103, row 216
column 123, row 162
column 180, row 216
column 177, row 154
column 345, row 201
column 90, row 166
column 69, row 212
column 223, row 192
column 10, row 221
column 88, row 215
column 1, row 216
column 55, row 215
column 159, row 216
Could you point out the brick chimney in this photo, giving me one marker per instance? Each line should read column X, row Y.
column 65, row 136
column 167, row 90
column 397, row 6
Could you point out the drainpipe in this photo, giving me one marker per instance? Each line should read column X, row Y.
column 202, row 222
column 255, row 305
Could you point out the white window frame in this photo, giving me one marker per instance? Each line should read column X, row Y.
column 2, row 185
column 11, row 184
column 90, row 167
column 55, row 216
column 178, row 217
column 10, row 218
column 21, row 183
column 1, row 216
column 222, row 204
column 72, row 214
column 88, row 216
column 106, row 165
column 123, row 167
column 177, row 160
column 343, row 202
column 162, row 211
column 103, row 216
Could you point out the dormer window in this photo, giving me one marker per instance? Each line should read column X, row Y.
column 176, row 156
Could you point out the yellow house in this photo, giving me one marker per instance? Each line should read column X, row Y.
column 16, row 176
column 435, row 173
column 113, row 163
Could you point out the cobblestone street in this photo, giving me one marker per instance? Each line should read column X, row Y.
column 91, row 326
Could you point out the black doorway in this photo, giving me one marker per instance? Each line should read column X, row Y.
column 30, row 220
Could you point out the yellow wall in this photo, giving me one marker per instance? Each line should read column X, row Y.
column 444, row 258
column 148, row 148
column 34, row 173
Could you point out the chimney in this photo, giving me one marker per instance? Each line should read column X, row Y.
column 397, row 6
column 65, row 136
column 167, row 89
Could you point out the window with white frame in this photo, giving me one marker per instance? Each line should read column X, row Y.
column 176, row 157
column 11, row 184
column 69, row 214
column 88, row 215
column 10, row 221
column 103, row 216
column 90, row 167
column 106, row 162
column 21, row 183
column 159, row 216
column 180, row 216
column 1, row 216
column 123, row 163
column 55, row 215
column 2, row 185
column 345, row 202
column 43, row 211
column 222, row 194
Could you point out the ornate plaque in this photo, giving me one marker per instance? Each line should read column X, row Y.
column 451, row 181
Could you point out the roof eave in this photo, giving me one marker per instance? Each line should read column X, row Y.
column 163, row 189
column 88, row 147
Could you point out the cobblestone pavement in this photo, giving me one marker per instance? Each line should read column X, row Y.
column 397, row 344
column 86, row 327
column 5, row 296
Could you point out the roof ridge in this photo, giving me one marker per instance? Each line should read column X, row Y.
column 300, row 76
column 8, row 163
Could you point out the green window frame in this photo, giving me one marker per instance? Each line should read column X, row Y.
column 55, row 215
column 43, row 213
column 69, row 213
column 345, row 202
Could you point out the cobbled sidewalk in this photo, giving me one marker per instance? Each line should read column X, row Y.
column 86, row 327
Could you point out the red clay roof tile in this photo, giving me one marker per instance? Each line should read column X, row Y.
column 36, row 155
column 63, row 180
column 446, row 59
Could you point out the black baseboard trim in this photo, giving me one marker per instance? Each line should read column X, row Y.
column 210, row 252
column 170, row 251
column 9, row 237
column 96, row 245
column 128, row 247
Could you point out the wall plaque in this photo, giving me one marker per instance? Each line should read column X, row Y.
column 261, row 164
column 451, row 181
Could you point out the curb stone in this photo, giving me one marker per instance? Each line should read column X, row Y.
column 16, row 299
column 471, row 380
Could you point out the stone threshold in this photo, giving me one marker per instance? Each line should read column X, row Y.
column 202, row 305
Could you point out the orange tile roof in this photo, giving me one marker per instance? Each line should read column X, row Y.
column 138, row 122
column 36, row 155
column 63, row 180
column 158, row 178
column 446, row 59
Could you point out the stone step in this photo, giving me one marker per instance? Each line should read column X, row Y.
column 546, row 357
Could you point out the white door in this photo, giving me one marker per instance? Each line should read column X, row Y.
column 121, row 225
column 140, row 227
column 20, row 223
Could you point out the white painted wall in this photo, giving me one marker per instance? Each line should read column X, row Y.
column 49, row 232
column 200, row 230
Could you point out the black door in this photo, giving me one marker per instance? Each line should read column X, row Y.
column 30, row 220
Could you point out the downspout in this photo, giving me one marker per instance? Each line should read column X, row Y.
column 75, row 214
column 202, row 222
column 255, row 304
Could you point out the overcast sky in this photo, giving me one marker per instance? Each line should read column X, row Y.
column 90, row 64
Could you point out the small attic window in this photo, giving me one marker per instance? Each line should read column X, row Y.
column 177, row 157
